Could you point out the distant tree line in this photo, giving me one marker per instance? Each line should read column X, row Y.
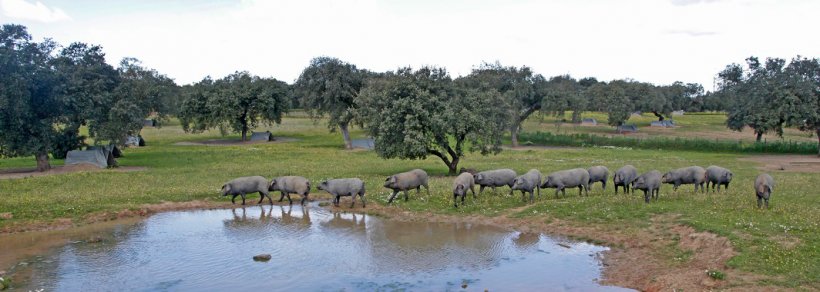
column 47, row 92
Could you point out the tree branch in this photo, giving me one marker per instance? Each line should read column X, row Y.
column 459, row 144
column 527, row 112
column 440, row 155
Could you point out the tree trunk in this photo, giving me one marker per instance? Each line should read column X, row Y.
column 244, row 121
column 514, row 135
column 42, row 161
column 346, row 136
column 576, row 116
column 244, row 131
column 818, row 142
column 660, row 117
column 453, row 166
column 759, row 136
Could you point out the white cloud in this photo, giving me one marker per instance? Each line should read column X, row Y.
column 691, row 32
column 691, row 2
column 36, row 11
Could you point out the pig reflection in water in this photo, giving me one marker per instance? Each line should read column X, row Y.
column 526, row 240
column 243, row 218
column 347, row 222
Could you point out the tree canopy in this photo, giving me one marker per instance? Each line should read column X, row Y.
column 517, row 90
column 414, row 114
column 239, row 102
column 754, row 94
column 29, row 104
column 801, row 107
column 49, row 92
column 141, row 92
column 766, row 96
column 328, row 88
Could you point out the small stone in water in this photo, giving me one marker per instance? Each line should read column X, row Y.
column 262, row 257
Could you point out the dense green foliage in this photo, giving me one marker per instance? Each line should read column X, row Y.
column 768, row 96
column 413, row 114
column 142, row 92
column 28, row 102
column 239, row 102
column 48, row 94
column 327, row 88
column 520, row 92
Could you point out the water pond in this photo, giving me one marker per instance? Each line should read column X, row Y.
column 312, row 249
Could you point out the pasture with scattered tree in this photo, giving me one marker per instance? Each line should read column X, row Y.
column 54, row 99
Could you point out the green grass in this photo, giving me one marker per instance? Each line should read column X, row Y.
column 715, row 274
column 783, row 242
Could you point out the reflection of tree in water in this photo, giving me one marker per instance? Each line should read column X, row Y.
column 526, row 240
column 425, row 246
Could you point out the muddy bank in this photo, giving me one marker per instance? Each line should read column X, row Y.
column 142, row 211
column 637, row 259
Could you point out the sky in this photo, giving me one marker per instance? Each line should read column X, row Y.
column 657, row 41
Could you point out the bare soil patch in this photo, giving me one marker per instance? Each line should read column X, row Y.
column 787, row 163
column 527, row 148
column 219, row 142
column 15, row 173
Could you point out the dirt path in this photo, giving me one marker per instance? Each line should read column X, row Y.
column 234, row 142
column 788, row 163
column 15, row 173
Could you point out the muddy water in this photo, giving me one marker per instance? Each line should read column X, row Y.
column 312, row 249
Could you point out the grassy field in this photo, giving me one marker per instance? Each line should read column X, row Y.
column 782, row 243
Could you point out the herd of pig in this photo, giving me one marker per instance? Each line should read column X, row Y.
column 529, row 183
